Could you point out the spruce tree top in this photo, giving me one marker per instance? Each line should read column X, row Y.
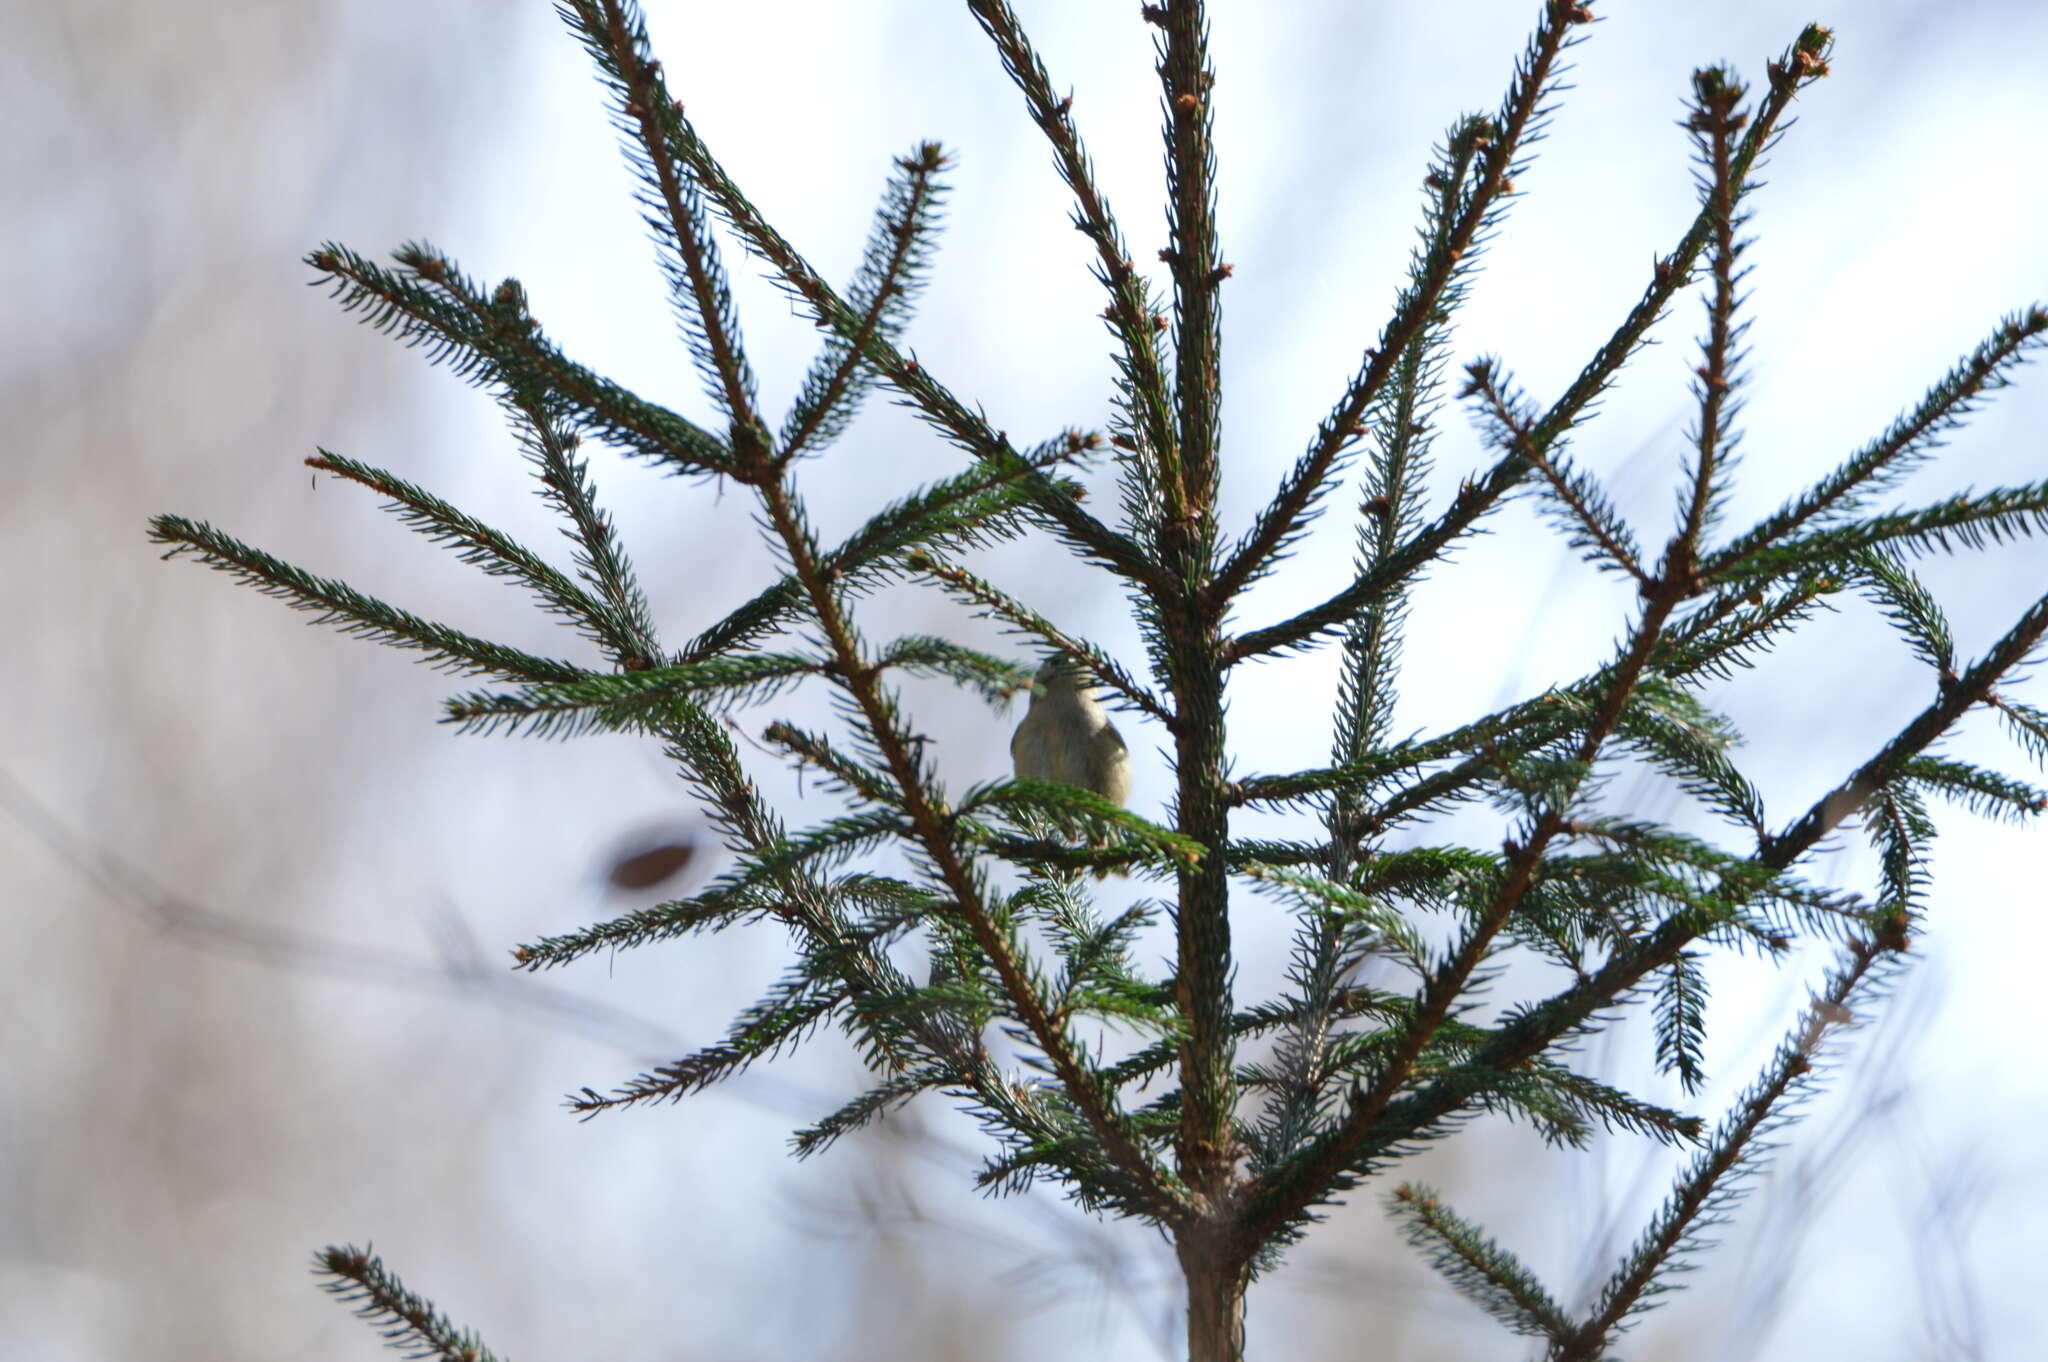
column 1160, row 1095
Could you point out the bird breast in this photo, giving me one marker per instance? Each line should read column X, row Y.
column 1067, row 737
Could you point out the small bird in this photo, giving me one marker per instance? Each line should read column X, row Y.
column 1066, row 735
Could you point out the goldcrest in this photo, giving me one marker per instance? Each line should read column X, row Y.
column 1066, row 736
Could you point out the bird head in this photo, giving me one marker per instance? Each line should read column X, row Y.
column 1062, row 674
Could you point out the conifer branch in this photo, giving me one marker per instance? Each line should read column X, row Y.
column 1483, row 1272
column 1909, row 442
column 871, row 1106
column 1985, row 793
column 1496, row 148
column 982, row 506
column 1803, row 63
column 966, row 429
column 898, row 256
column 1050, row 799
column 998, row 604
column 600, row 559
column 427, row 303
column 1971, row 520
column 1402, row 430
column 1131, row 310
column 1716, row 118
column 1707, row 1192
column 1907, row 604
column 852, row 775
column 625, row 700
column 781, row 1021
column 2028, row 725
column 336, row 603
column 1511, row 428
column 1681, row 1020
column 479, row 545
column 992, row 678
column 1532, row 1029
column 615, row 35
column 405, row 1320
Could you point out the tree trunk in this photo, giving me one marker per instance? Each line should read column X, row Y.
column 1217, row 1276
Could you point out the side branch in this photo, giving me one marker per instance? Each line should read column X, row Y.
column 1734, row 1149
column 623, row 53
column 1304, row 484
column 1800, row 67
column 1909, row 440
column 431, row 305
column 1532, row 1030
column 934, row 401
column 1323, row 1161
column 900, row 239
column 1130, row 307
column 1000, row 605
column 1596, row 523
column 404, row 1318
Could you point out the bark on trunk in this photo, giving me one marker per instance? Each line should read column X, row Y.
column 1217, row 1277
